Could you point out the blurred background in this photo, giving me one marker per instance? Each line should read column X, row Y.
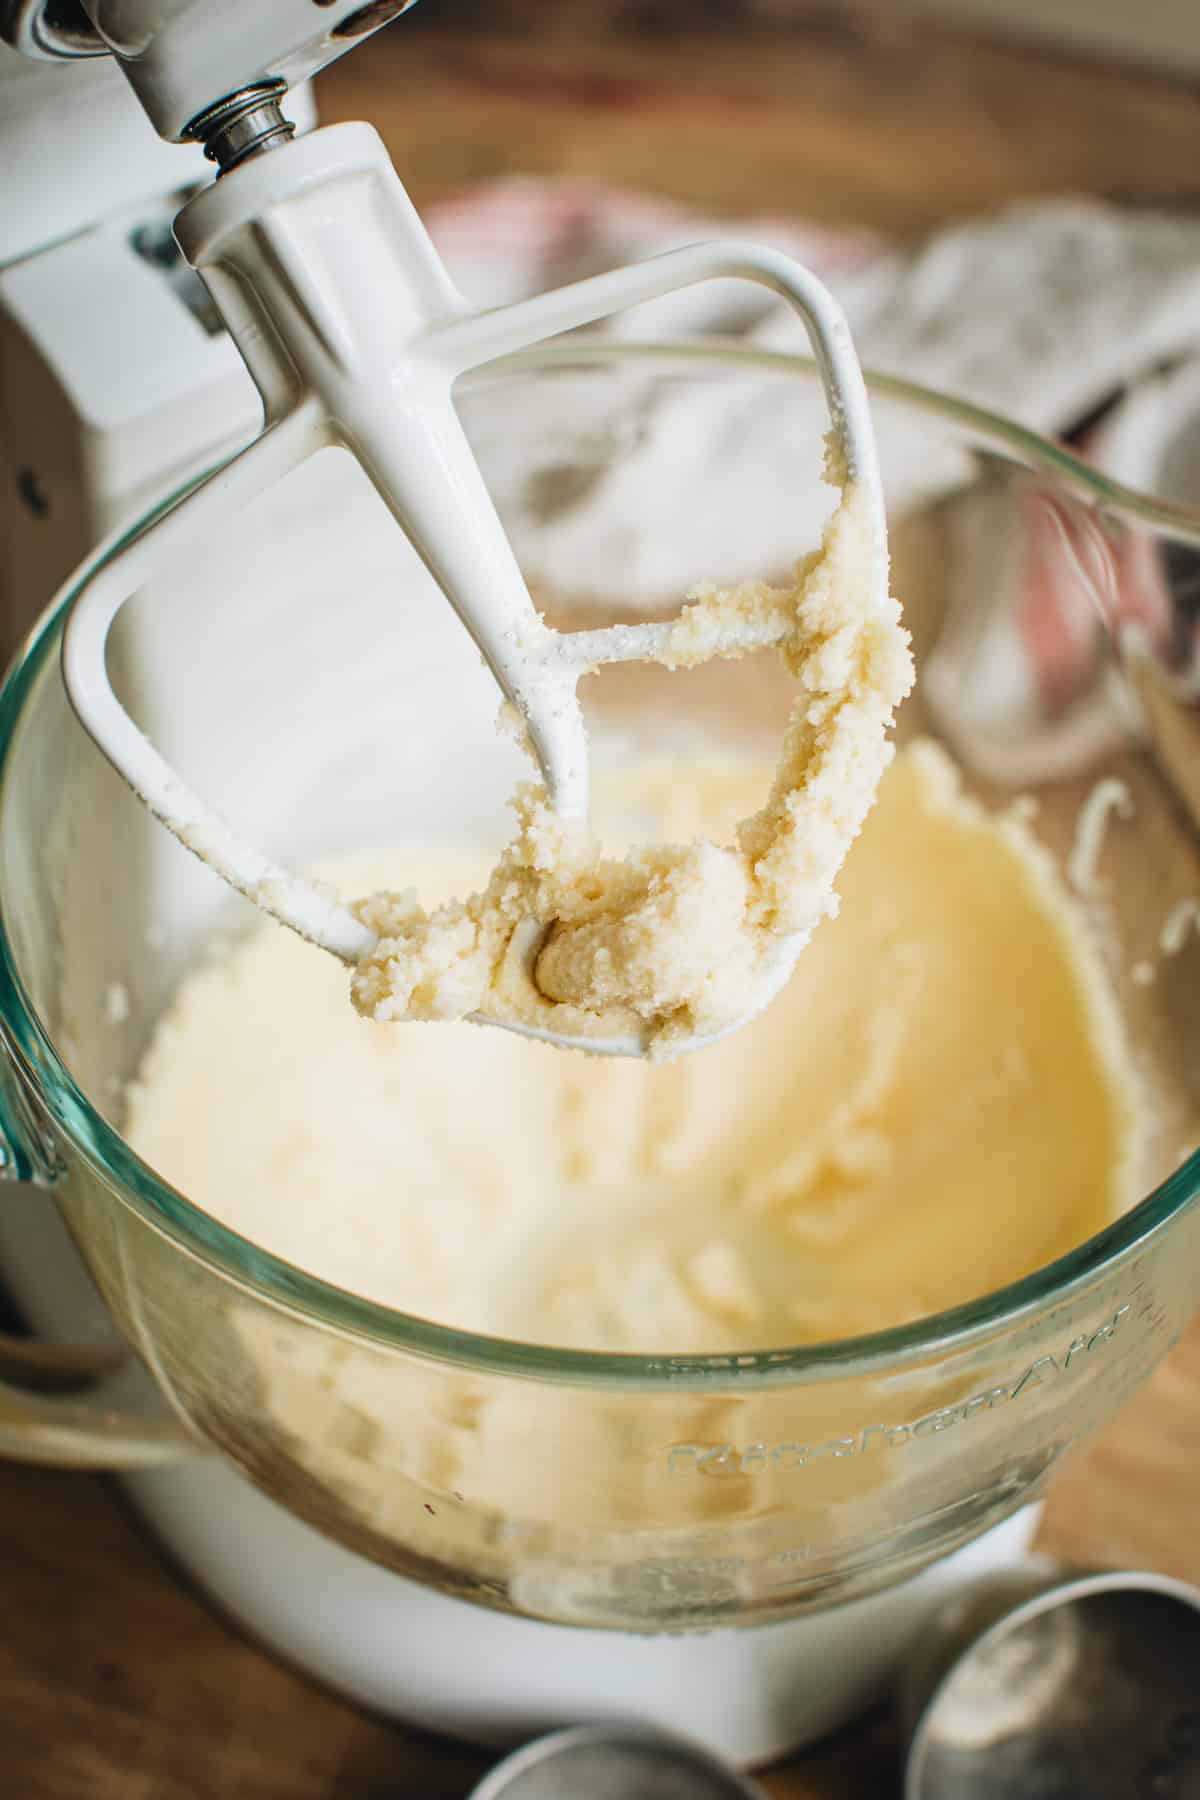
column 896, row 115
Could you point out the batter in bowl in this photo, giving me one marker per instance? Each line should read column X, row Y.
column 939, row 1102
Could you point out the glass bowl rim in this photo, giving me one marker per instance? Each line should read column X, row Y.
column 283, row 1286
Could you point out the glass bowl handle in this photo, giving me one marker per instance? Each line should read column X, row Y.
column 54, row 1408
column 78, row 1433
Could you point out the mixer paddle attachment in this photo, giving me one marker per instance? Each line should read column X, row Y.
column 355, row 335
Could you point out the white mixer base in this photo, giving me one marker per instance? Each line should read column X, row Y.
column 403, row 1650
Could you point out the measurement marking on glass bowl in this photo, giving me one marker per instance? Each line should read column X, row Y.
column 729, row 1459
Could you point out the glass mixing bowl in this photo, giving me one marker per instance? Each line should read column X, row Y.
column 311, row 689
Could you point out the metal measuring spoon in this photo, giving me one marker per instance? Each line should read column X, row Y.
column 614, row 1762
column 1051, row 1685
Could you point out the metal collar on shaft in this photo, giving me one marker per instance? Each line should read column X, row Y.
column 242, row 125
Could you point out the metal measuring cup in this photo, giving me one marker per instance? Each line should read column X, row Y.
column 1036, row 1683
column 614, row 1762
column 1042, row 1683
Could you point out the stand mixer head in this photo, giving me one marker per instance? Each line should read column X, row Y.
column 355, row 335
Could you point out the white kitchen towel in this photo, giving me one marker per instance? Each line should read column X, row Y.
column 1043, row 311
column 1038, row 310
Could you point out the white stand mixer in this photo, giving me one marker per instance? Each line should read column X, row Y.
column 117, row 383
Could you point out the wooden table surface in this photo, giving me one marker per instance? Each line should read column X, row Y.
column 116, row 1681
